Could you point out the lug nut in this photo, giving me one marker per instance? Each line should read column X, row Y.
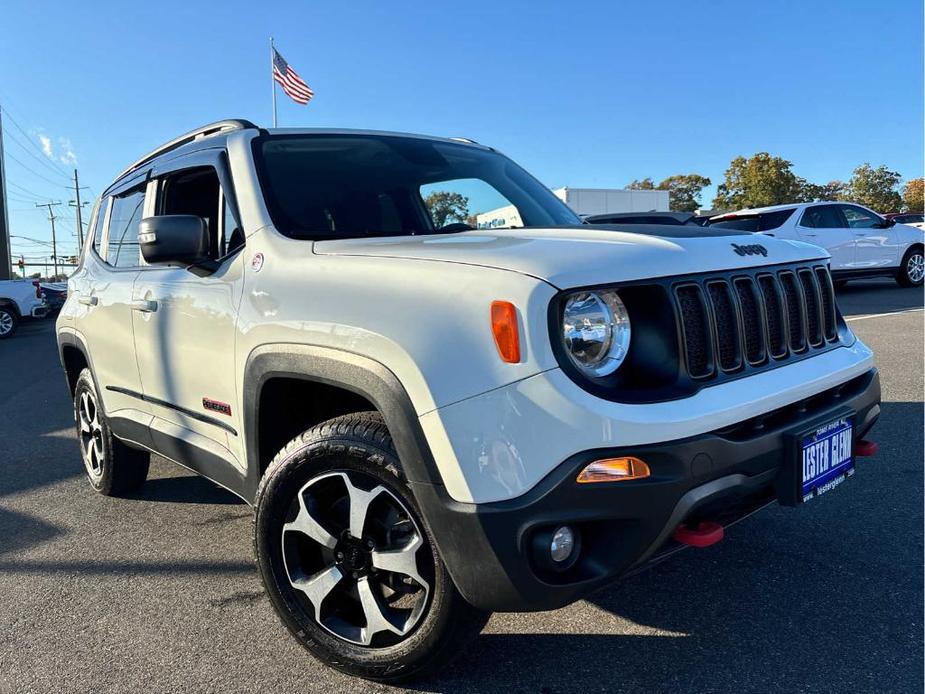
column 370, row 544
column 339, row 555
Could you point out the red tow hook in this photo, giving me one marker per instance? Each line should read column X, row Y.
column 864, row 449
column 705, row 534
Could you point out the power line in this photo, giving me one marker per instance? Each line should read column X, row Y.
column 29, row 139
column 43, row 159
column 24, row 190
column 35, row 173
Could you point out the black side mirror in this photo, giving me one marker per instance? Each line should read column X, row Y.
column 180, row 239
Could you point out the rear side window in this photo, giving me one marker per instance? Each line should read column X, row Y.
column 754, row 222
column 123, row 249
column 822, row 217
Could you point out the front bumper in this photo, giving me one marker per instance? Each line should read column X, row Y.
column 721, row 476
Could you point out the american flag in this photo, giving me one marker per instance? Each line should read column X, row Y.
column 292, row 84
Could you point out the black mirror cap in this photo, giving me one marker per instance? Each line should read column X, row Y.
column 182, row 239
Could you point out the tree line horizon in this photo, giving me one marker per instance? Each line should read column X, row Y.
column 761, row 180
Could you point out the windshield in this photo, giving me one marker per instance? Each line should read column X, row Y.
column 322, row 186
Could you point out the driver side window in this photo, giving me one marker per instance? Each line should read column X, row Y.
column 194, row 192
column 859, row 218
column 469, row 201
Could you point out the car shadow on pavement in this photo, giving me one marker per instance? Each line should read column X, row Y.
column 826, row 597
column 185, row 489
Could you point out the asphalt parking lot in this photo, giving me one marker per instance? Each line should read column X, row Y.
column 159, row 592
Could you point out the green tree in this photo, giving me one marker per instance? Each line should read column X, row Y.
column 912, row 195
column 829, row 192
column 759, row 181
column 446, row 207
column 645, row 184
column 684, row 191
column 875, row 188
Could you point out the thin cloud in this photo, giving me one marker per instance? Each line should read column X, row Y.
column 66, row 152
column 46, row 146
column 61, row 152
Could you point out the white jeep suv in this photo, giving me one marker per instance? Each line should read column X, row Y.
column 434, row 422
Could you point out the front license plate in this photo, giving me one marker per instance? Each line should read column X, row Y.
column 825, row 457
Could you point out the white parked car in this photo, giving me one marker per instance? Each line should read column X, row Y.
column 434, row 422
column 912, row 219
column 18, row 299
column 862, row 243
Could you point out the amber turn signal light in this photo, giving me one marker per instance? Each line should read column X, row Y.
column 504, row 328
column 614, row 470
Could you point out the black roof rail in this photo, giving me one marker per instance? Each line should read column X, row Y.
column 186, row 138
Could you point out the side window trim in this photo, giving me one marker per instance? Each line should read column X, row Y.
column 104, row 230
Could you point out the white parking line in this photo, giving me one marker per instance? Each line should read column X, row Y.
column 881, row 315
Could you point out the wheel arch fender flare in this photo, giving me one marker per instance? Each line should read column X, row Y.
column 359, row 374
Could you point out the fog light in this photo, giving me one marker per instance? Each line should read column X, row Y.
column 562, row 544
column 614, row 470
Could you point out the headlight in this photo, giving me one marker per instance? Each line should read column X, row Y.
column 596, row 331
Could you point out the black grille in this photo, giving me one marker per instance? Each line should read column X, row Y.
column 793, row 301
column 774, row 311
column 727, row 325
column 731, row 321
column 695, row 326
column 829, row 324
column 813, row 306
column 753, row 323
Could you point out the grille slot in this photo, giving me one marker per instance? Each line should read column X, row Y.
column 793, row 300
column 726, row 325
column 753, row 322
column 813, row 306
column 827, row 292
column 695, row 327
column 774, row 310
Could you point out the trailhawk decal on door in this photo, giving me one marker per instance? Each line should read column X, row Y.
column 216, row 406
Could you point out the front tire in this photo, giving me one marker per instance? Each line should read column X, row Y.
column 9, row 320
column 912, row 269
column 112, row 467
column 347, row 561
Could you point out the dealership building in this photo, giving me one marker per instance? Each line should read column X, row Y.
column 585, row 201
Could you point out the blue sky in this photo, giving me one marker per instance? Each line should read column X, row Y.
column 580, row 93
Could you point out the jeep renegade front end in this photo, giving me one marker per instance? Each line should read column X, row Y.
column 434, row 421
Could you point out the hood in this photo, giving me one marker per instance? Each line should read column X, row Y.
column 588, row 255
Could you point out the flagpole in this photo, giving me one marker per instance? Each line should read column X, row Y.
column 272, row 82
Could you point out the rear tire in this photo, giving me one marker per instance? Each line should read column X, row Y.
column 912, row 268
column 347, row 561
column 9, row 321
column 112, row 467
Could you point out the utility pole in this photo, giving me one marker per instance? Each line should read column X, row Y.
column 78, row 204
column 6, row 268
column 54, row 242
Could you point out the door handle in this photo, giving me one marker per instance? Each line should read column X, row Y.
column 88, row 300
column 144, row 305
